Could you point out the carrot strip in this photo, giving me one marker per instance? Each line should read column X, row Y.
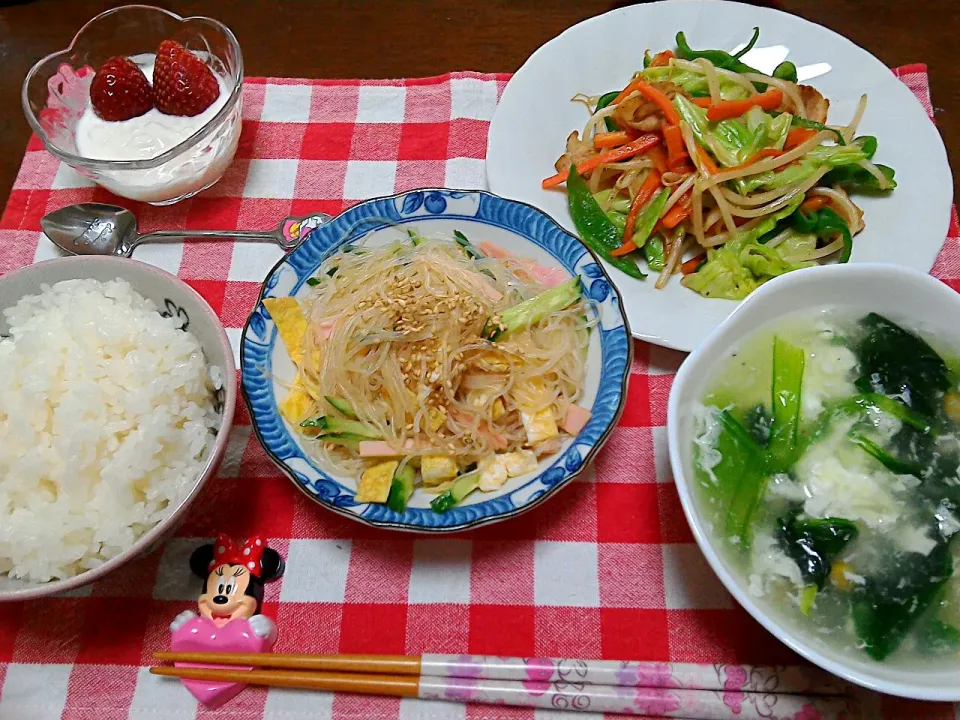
column 706, row 161
column 612, row 139
column 814, row 203
column 654, row 95
column 798, row 136
column 658, row 97
column 679, row 212
column 640, row 145
column 631, row 86
column 659, row 158
column 703, row 102
column 628, row 247
column 650, row 185
column 676, row 150
column 693, row 264
column 769, row 100
column 662, row 59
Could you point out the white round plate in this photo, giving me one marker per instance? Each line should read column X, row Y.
column 535, row 116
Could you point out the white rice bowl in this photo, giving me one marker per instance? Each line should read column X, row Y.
column 107, row 417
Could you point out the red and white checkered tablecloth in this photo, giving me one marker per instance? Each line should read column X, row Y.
column 607, row 569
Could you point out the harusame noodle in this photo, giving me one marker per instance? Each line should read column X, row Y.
column 412, row 341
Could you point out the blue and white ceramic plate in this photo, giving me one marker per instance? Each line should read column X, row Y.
column 266, row 369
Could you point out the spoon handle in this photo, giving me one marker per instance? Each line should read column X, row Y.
column 161, row 235
column 288, row 236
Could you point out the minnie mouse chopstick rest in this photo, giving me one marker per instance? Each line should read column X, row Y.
column 229, row 620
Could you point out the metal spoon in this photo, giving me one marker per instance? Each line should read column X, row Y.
column 98, row 229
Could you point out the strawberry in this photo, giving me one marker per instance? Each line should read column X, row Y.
column 120, row 90
column 183, row 84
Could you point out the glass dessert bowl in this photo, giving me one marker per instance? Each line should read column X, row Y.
column 154, row 158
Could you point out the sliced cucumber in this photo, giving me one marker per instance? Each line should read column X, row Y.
column 334, row 424
column 401, row 488
column 462, row 486
column 469, row 248
column 342, row 406
column 348, row 440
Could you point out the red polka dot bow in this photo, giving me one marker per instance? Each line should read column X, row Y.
column 226, row 551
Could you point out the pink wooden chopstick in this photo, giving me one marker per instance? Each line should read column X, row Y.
column 684, row 690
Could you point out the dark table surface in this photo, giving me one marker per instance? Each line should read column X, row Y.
column 391, row 38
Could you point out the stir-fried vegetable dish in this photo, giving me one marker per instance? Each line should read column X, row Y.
column 704, row 167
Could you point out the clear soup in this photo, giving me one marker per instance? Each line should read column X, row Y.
column 827, row 451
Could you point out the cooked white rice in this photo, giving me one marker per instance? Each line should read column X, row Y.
column 106, row 416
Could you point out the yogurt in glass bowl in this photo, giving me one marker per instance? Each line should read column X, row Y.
column 154, row 158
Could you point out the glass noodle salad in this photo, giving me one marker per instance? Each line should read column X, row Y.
column 432, row 364
column 709, row 168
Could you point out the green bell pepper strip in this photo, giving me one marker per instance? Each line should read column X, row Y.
column 854, row 178
column 805, row 222
column 786, row 71
column 867, row 143
column 653, row 252
column 831, row 223
column 825, row 223
column 595, row 228
column 603, row 102
column 720, row 58
column 814, row 125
